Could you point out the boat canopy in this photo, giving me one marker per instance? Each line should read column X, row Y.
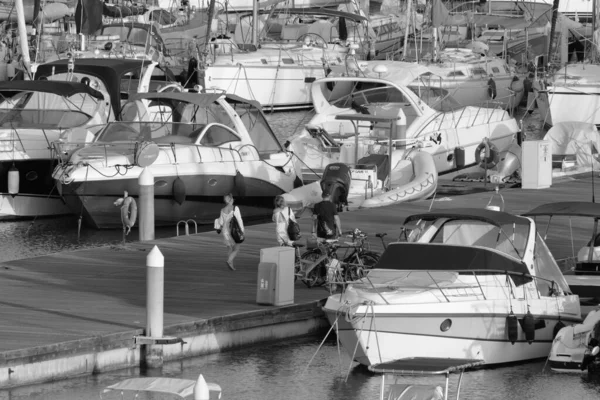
column 177, row 387
column 567, row 208
column 425, row 366
column 497, row 218
column 60, row 88
column 110, row 70
column 457, row 258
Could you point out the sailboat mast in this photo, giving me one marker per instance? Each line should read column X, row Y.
column 255, row 23
column 594, row 12
column 23, row 35
column 407, row 32
column 552, row 29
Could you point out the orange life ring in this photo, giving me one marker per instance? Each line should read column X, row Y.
column 128, row 212
column 491, row 158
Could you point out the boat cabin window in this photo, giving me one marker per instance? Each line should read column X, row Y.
column 455, row 73
column 508, row 239
column 260, row 131
column 39, row 110
column 478, row 71
column 217, row 135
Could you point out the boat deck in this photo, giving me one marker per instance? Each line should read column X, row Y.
column 88, row 293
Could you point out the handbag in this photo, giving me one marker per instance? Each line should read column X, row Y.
column 235, row 230
column 293, row 229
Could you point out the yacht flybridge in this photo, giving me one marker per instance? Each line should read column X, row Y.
column 477, row 284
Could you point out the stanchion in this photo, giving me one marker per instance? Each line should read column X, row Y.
column 146, row 199
column 155, row 282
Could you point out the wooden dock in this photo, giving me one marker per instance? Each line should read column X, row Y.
column 89, row 293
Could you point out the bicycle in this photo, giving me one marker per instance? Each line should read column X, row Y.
column 361, row 258
column 311, row 266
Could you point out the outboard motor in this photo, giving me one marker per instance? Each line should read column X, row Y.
column 591, row 359
column 336, row 180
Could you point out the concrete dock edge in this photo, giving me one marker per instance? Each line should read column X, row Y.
column 118, row 350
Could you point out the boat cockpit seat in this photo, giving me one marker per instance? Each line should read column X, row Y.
column 381, row 161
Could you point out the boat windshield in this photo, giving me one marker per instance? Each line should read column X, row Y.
column 159, row 132
column 259, row 129
column 509, row 239
column 40, row 110
column 437, row 98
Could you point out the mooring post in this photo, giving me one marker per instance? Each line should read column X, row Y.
column 201, row 391
column 155, row 287
column 146, row 182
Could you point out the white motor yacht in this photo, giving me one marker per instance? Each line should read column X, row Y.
column 66, row 99
column 204, row 146
column 476, row 284
column 435, row 136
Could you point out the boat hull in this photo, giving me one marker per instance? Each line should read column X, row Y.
column 36, row 195
column 417, row 332
column 94, row 201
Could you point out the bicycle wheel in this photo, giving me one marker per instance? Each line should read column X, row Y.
column 316, row 276
column 359, row 263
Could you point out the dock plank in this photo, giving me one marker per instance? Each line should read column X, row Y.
column 79, row 294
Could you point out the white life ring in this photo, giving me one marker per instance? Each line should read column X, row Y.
column 128, row 212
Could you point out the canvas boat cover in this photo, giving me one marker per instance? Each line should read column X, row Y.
column 425, row 366
column 497, row 218
column 576, row 138
column 174, row 386
column 567, row 208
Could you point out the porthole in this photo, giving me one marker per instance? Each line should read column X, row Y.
column 446, row 325
column 160, row 183
column 31, row 176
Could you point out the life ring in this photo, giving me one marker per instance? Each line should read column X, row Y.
column 128, row 212
column 491, row 158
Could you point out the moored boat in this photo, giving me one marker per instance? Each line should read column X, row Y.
column 206, row 145
column 434, row 136
column 476, row 284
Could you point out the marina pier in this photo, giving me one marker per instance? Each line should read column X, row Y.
column 76, row 313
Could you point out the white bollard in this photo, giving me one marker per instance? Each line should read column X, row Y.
column 201, row 391
column 146, row 206
column 155, row 287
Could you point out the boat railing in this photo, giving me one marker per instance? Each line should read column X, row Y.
column 186, row 225
column 511, row 283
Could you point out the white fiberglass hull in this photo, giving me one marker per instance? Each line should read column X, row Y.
column 31, row 206
column 579, row 103
column 281, row 87
column 478, row 330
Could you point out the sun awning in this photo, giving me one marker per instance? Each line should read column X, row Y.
column 567, row 208
column 497, row 218
column 414, row 256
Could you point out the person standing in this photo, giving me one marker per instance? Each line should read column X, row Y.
column 326, row 221
column 492, row 87
column 282, row 215
column 223, row 225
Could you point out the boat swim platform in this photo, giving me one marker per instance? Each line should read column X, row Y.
column 77, row 312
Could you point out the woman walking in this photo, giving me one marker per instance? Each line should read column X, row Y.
column 223, row 225
column 282, row 216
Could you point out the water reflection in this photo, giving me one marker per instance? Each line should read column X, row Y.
column 278, row 371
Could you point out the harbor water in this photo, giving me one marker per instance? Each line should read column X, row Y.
column 281, row 370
